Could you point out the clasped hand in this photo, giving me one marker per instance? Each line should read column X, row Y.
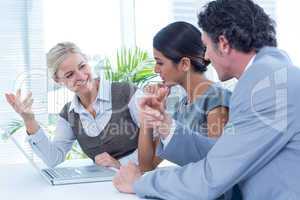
column 152, row 110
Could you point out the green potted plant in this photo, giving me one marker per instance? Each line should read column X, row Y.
column 131, row 65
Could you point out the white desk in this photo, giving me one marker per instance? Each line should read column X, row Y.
column 23, row 182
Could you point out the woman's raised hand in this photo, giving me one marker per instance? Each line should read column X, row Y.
column 22, row 107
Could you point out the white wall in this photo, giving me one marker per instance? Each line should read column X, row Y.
column 288, row 28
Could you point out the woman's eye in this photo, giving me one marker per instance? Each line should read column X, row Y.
column 69, row 75
column 82, row 66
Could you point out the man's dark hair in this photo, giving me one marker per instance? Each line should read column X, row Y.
column 243, row 23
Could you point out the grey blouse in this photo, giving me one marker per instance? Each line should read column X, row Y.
column 194, row 115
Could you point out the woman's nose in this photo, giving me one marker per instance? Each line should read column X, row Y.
column 206, row 56
column 79, row 75
column 157, row 69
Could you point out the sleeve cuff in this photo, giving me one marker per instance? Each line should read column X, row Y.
column 138, row 188
column 167, row 140
column 36, row 137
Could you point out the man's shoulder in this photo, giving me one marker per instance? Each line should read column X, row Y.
column 270, row 63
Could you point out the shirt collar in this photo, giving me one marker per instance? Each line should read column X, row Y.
column 249, row 64
column 104, row 94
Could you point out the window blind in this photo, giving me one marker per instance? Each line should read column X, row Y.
column 22, row 61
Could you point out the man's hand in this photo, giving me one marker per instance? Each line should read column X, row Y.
column 126, row 177
column 153, row 115
column 106, row 160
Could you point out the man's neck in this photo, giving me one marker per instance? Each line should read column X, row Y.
column 241, row 62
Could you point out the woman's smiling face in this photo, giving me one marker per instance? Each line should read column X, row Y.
column 75, row 73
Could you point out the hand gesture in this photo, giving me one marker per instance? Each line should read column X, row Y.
column 126, row 177
column 106, row 160
column 154, row 88
column 152, row 112
column 22, row 107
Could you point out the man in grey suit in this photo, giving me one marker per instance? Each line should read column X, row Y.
column 260, row 146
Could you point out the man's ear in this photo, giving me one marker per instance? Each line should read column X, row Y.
column 185, row 64
column 223, row 45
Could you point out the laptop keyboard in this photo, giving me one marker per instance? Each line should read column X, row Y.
column 85, row 171
column 64, row 173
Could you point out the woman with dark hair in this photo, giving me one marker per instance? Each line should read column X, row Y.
column 179, row 55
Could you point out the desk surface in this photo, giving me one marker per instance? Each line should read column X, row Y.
column 22, row 181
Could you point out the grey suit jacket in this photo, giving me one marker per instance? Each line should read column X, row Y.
column 259, row 148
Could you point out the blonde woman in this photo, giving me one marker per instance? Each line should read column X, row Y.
column 102, row 116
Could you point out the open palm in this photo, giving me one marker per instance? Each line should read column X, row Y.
column 22, row 107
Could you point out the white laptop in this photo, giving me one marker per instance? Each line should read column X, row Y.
column 70, row 175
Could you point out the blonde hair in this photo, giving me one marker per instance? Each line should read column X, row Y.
column 58, row 54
